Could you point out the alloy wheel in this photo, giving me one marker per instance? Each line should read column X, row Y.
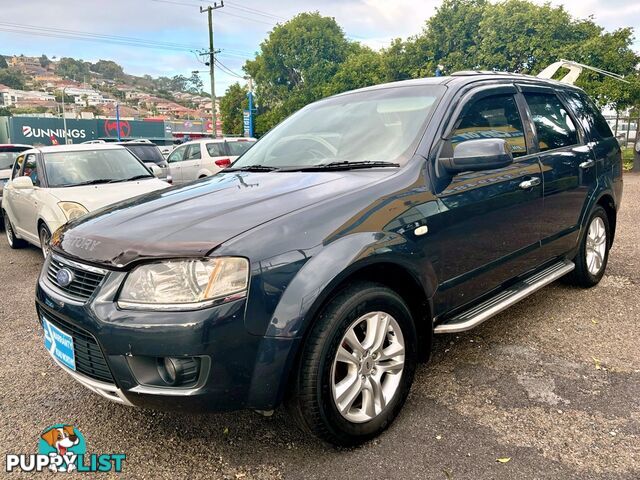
column 45, row 238
column 368, row 367
column 596, row 246
column 8, row 230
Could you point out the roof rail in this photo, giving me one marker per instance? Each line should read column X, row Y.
column 575, row 69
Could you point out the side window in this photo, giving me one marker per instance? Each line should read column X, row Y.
column 17, row 166
column 193, row 152
column 552, row 121
column 589, row 115
column 31, row 169
column 177, row 155
column 216, row 149
column 492, row 117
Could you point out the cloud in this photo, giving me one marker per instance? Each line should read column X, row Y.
column 239, row 27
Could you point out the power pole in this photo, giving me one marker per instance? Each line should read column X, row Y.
column 212, row 58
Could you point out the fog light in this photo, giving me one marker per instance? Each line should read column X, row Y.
column 177, row 371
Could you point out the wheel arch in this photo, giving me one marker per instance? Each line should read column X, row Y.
column 607, row 202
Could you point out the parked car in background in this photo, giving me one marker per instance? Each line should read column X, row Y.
column 50, row 186
column 8, row 154
column 204, row 157
column 316, row 270
column 166, row 150
column 151, row 156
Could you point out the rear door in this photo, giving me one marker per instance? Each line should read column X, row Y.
column 568, row 167
column 192, row 162
column 175, row 160
column 488, row 230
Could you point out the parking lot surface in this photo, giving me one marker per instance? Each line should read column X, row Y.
column 552, row 385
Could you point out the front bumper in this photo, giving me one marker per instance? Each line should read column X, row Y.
column 242, row 370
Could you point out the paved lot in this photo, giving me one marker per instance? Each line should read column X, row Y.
column 553, row 383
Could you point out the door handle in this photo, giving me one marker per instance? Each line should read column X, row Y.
column 587, row 164
column 528, row 184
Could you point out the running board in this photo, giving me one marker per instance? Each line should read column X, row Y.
column 503, row 300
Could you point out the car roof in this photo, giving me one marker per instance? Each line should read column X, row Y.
column 462, row 78
column 219, row 140
column 14, row 145
column 81, row 147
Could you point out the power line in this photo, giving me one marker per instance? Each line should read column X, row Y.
column 250, row 19
column 255, row 11
column 227, row 70
column 75, row 34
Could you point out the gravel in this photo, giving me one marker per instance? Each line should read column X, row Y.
column 551, row 384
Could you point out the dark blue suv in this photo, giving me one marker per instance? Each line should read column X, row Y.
column 315, row 270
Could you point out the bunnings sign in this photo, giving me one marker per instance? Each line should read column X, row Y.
column 51, row 131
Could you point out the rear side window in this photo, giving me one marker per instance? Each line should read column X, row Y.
column 194, row 152
column 589, row 115
column 146, row 153
column 17, row 165
column 492, row 117
column 238, row 148
column 216, row 149
column 554, row 126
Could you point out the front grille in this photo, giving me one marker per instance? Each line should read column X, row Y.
column 84, row 282
column 88, row 355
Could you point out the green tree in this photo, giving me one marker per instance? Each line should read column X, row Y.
column 72, row 68
column 295, row 64
column 232, row 105
column 362, row 68
column 3, row 62
column 108, row 69
column 5, row 112
column 12, row 78
column 44, row 61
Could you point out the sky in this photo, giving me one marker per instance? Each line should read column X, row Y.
column 240, row 27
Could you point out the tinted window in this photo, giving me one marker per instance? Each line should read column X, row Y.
column 8, row 155
column 31, row 169
column 194, row 152
column 589, row 115
column 492, row 117
column 177, row 155
column 553, row 124
column 146, row 153
column 216, row 149
column 238, row 148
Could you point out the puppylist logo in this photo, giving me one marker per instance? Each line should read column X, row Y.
column 61, row 448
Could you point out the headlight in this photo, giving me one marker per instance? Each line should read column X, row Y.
column 72, row 210
column 185, row 284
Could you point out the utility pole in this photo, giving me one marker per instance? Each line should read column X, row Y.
column 212, row 57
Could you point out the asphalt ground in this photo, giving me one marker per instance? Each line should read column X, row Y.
column 553, row 385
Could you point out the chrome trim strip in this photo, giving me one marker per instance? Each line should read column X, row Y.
column 181, row 307
column 81, row 266
column 524, row 289
column 106, row 390
column 173, row 392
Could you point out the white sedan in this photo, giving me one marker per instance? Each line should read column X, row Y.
column 51, row 185
column 204, row 157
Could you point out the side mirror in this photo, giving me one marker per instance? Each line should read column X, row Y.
column 480, row 154
column 22, row 183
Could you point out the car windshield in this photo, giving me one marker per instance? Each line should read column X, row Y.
column 381, row 125
column 146, row 153
column 67, row 169
column 238, row 147
column 7, row 157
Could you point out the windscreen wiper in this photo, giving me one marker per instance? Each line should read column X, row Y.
column 137, row 177
column 251, row 168
column 90, row 182
column 342, row 165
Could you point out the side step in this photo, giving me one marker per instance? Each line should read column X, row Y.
column 494, row 305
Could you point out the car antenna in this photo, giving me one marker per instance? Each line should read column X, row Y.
column 575, row 69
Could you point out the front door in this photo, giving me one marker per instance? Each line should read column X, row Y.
column 488, row 229
column 25, row 202
column 568, row 168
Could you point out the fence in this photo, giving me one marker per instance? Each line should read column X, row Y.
column 624, row 128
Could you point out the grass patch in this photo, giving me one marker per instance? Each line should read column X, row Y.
column 627, row 158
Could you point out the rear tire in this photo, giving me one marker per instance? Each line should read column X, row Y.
column 593, row 255
column 13, row 241
column 356, row 367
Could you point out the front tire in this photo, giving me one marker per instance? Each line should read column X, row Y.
column 45, row 238
column 13, row 241
column 356, row 367
column 593, row 255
